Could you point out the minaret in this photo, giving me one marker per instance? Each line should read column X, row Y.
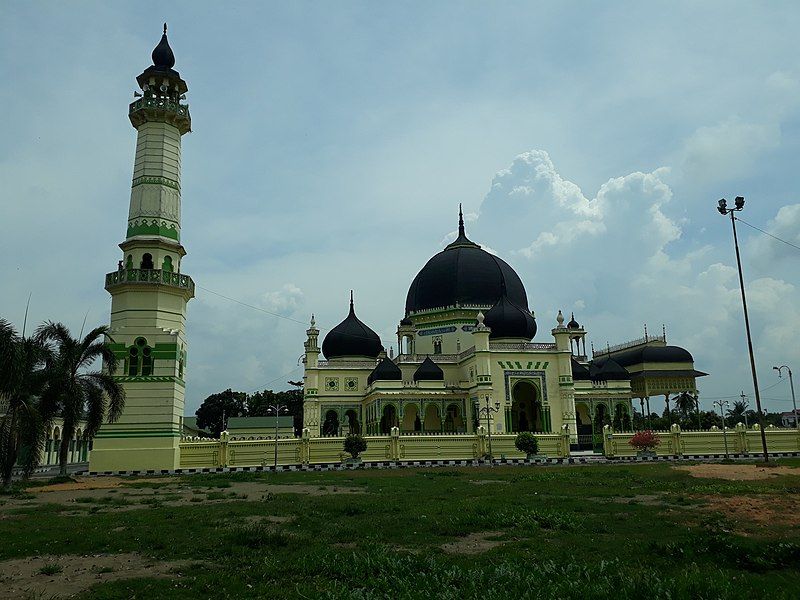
column 148, row 291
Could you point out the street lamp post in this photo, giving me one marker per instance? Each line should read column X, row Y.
column 277, row 408
column 791, row 385
column 724, row 210
column 488, row 410
column 722, row 403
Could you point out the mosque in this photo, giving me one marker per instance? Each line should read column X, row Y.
column 466, row 358
column 465, row 352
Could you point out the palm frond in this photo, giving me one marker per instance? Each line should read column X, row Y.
column 112, row 390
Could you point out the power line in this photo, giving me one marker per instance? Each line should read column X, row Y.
column 775, row 237
column 280, row 316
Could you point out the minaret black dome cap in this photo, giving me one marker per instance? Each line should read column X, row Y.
column 162, row 56
column 385, row 371
column 351, row 337
column 428, row 371
column 509, row 320
column 573, row 324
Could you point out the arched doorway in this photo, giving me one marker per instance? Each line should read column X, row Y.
column 453, row 421
column 583, row 421
column 330, row 426
column 526, row 414
column 351, row 418
column 433, row 422
column 411, row 421
column 622, row 420
column 389, row 419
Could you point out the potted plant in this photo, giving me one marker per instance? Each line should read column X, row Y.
column 526, row 442
column 645, row 443
column 354, row 445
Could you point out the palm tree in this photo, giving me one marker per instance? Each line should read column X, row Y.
column 737, row 412
column 80, row 393
column 685, row 403
column 23, row 380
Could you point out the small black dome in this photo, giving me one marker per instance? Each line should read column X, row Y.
column 508, row 320
column 464, row 274
column 653, row 354
column 385, row 371
column 405, row 321
column 162, row 56
column 579, row 372
column 428, row 371
column 611, row 371
column 573, row 324
column 351, row 338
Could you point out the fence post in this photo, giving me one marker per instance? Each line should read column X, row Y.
column 305, row 446
column 564, row 442
column 394, row 443
column 675, row 430
column 483, row 449
column 223, row 449
column 608, row 447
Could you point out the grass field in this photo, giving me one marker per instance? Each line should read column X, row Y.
column 638, row 531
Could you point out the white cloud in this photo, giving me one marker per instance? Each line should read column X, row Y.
column 285, row 301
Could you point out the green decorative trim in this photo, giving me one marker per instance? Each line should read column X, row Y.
column 156, row 180
column 311, row 392
column 134, row 433
column 351, row 384
column 164, row 229
column 332, row 384
column 149, row 379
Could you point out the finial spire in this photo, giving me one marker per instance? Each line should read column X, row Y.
column 460, row 220
column 165, row 29
column 352, row 310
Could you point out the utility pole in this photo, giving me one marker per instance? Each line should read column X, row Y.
column 724, row 210
column 791, row 385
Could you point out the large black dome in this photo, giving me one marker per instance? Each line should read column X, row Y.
column 351, row 337
column 464, row 274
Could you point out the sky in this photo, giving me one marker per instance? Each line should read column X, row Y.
column 332, row 143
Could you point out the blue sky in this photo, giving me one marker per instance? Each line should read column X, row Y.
column 332, row 143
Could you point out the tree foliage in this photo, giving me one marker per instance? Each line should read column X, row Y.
column 215, row 410
column 354, row 445
column 645, row 440
column 76, row 390
column 527, row 442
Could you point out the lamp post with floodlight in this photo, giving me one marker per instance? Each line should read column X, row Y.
column 488, row 410
column 278, row 409
column 722, row 403
column 724, row 210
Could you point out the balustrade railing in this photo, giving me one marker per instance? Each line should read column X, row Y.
column 521, row 346
column 149, row 276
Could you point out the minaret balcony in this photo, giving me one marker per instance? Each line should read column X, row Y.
column 149, row 277
column 160, row 108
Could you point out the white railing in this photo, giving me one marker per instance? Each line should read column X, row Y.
column 517, row 346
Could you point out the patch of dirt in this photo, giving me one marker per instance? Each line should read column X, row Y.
column 22, row 577
column 110, row 494
column 763, row 510
column 254, row 519
column 489, row 481
column 93, row 483
column 646, row 499
column 737, row 472
column 474, row 543
column 345, row 545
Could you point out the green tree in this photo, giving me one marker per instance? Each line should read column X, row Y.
column 214, row 412
column 736, row 412
column 685, row 403
column 23, row 379
column 75, row 388
column 258, row 404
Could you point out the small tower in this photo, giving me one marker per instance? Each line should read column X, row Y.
column 148, row 291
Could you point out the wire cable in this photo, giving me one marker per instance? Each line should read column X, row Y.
column 775, row 237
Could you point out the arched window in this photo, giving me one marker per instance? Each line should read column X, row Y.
column 147, row 261
column 167, row 264
column 140, row 358
column 437, row 346
column 129, row 262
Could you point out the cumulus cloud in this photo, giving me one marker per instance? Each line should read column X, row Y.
column 285, row 301
column 614, row 258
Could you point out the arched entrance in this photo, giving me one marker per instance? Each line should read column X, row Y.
column 433, row 422
column 351, row 418
column 389, row 419
column 331, row 424
column 411, row 421
column 453, row 421
column 526, row 414
column 583, row 420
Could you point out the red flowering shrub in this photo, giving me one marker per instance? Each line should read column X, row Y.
column 644, row 440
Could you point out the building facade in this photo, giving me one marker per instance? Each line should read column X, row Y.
column 466, row 359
